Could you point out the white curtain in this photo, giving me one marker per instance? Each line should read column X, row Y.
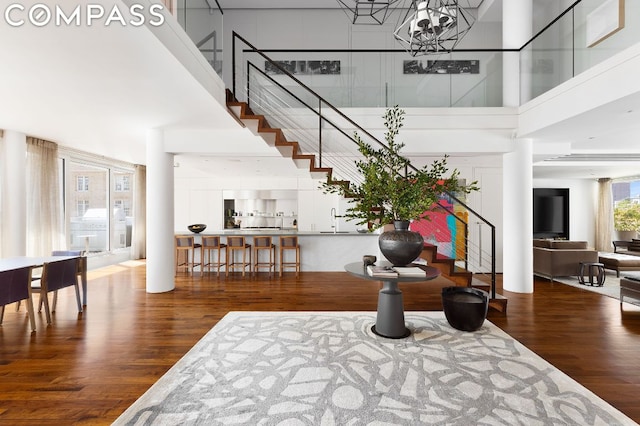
column 44, row 211
column 139, row 237
column 604, row 215
column 1, row 183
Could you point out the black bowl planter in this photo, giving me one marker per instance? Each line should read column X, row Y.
column 197, row 228
column 465, row 307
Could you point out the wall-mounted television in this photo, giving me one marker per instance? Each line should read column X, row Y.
column 551, row 213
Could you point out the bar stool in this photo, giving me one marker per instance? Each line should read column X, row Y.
column 236, row 243
column 287, row 243
column 264, row 243
column 186, row 245
column 211, row 244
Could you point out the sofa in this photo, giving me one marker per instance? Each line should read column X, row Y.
column 627, row 247
column 560, row 258
column 630, row 287
column 622, row 260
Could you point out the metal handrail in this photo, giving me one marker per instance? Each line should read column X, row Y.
column 291, row 76
column 283, row 71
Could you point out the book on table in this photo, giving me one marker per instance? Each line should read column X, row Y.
column 409, row 271
column 381, row 271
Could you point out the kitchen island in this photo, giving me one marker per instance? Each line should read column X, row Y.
column 319, row 250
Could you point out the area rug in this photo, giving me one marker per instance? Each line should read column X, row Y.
column 611, row 287
column 328, row 368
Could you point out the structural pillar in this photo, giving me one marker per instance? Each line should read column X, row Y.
column 517, row 24
column 160, row 215
column 14, row 194
column 517, row 217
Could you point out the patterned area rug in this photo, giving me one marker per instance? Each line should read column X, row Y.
column 328, row 368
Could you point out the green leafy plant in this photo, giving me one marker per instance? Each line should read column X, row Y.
column 390, row 189
column 626, row 216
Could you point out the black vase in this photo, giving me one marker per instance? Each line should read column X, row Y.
column 401, row 246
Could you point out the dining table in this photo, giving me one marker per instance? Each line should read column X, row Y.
column 17, row 262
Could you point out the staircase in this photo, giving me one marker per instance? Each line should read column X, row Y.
column 275, row 137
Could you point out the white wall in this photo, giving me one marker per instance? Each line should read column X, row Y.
column 582, row 205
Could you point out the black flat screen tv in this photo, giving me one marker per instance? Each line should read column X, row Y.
column 551, row 213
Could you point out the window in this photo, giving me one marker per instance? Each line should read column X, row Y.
column 98, row 217
column 123, row 205
column 82, row 183
column 626, row 208
column 122, row 183
column 81, row 207
column 87, row 224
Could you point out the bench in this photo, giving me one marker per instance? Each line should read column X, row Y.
column 620, row 262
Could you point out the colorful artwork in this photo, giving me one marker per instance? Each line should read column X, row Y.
column 443, row 229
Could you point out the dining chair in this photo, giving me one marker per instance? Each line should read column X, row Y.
column 16, row 286
column 55, row 276
column 82, row 268
column 82, row 272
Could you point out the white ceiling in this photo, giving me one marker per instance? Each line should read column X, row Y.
column 76, row 96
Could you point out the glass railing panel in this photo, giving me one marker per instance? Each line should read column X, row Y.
column 547, row 62
column 586, row 16
column 570, row 46
column 204, row 26
column 385, row 79
column 464, row 79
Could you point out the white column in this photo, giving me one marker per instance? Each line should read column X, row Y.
column 517, row 218
column 517, row 22
column 14, row 194
column 160, row 220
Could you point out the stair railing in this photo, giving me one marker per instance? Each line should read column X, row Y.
column 286, row 110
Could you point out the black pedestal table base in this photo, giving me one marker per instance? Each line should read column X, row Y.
column 390, row 317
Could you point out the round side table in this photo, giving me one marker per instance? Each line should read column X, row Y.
column 390, row 313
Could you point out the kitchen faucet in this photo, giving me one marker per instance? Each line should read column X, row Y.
column 334, row 221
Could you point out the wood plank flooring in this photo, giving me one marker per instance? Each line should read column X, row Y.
column 88, row 368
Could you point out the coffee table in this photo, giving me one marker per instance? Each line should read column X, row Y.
column 390, row 314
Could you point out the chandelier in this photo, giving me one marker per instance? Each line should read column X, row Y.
column 432, row 26
column 367, row 12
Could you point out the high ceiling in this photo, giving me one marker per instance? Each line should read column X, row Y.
column 62, row 85
column 602, row 141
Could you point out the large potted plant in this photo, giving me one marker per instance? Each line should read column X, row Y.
column 394, row 193
column 626, row 220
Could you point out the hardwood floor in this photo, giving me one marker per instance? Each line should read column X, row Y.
column 88, row 368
